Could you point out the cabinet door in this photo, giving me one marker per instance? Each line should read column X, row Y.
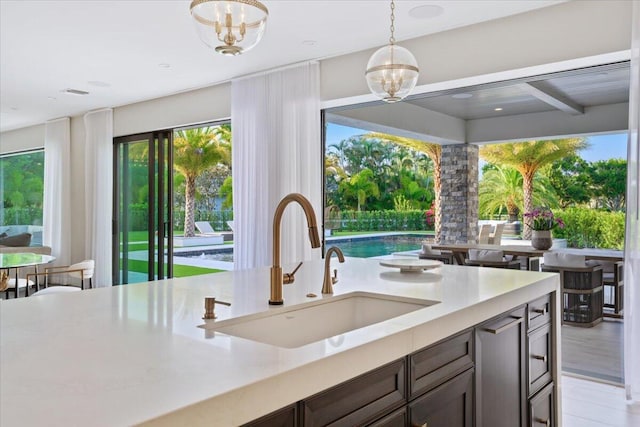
column 396, row 419
column 285, row 417
column 501, row 371
column 449, row 405
column 540, row 358
column 541, row 408
column 360, row 400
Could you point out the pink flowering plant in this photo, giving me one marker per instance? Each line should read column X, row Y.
column 543, row 219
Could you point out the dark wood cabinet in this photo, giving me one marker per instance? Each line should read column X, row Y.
column 542, row 408
column 540, row 358
column 440, row 362
column 285, row 417
column 499, row 373
column 448, row 405
column 359, row 400
column 501, row 392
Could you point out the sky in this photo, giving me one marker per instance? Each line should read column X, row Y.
column 601, row 147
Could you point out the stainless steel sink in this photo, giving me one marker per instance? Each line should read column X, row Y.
column 303, row 324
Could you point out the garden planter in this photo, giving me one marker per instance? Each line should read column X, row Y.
column 541, row 239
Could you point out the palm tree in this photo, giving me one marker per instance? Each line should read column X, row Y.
column 434, row 151
column 501, row 189
column 196, row 150
column 360, row 186
column 527, row 158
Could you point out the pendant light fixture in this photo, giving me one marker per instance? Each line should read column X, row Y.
column 392, row 71
column 231, row 27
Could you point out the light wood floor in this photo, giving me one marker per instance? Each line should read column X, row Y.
column 594, row 352
column 590, row 404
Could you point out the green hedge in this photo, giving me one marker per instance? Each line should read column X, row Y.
column 589, row 228
column 383, row 220
column 22, row 216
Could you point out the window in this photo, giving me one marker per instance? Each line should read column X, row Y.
column 21, row 193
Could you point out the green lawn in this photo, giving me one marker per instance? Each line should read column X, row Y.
column 178, row 270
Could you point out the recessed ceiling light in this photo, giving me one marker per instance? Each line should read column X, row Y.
column 51, row 98
column 462, row 95
column 98, row 83
column 75, row 92
column 497, row 109
column 309, row 42
column 426, row 11
column 164, row 65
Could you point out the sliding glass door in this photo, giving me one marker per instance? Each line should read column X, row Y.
column 143, row 214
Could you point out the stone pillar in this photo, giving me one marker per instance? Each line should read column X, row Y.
column 459, row 195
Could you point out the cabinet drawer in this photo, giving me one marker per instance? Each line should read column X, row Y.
column 541, row 408
column 540, row 358
column 439, row 362
column 396, row 419
column 285, row 417
column 448, row 405
column 539, row 312
column 360, row 400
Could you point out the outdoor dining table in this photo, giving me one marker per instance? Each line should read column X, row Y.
column 23, row 259
column 460, row 251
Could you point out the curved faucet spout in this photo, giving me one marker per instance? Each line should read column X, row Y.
column 329, row 281
column 277, row 278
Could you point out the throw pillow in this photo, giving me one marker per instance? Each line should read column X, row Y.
column 23, row 239
column 485, row 255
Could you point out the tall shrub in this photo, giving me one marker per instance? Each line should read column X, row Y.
column 589, row 228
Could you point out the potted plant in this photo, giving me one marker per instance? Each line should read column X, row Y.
column 542, row 221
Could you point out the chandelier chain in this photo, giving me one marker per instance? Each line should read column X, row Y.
column 392, row 39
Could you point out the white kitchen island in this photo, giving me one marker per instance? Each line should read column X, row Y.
column 135, row 354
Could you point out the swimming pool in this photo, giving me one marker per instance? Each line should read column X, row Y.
column 366, row 247
column 356, row 246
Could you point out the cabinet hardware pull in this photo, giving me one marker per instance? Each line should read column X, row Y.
column 543, row 358
column 540, row 310
column 516, row 321
column 541, row 421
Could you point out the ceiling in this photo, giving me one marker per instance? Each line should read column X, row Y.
column 576, row 102
column 123, row 52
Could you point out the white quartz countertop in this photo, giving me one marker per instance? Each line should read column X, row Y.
column 135, row 354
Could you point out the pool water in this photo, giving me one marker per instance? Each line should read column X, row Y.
column 363, row 247
column 371, row 247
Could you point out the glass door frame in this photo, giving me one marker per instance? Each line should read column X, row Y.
column 158, row 167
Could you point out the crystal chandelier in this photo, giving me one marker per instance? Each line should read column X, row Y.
column 392, row 71
column 231, row 27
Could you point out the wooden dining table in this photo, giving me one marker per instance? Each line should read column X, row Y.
column 460, row 251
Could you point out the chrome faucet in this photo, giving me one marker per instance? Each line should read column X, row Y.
column 277, row 278
column 329, row 281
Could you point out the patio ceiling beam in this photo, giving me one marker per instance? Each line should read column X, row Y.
column 549, row 95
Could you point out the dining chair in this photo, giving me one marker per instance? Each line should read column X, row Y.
column 495, row 238
column 581, row 286
column 490, row 258
column 483, row 235
column 9, row 282
column 80, row 271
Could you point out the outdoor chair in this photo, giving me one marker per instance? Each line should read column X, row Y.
column 80, row 271
column 483, row 235
column 205, row 228
column 582, row 288
column 427, row 253
column 489, row 258
column 612, row 280
column 495, row 238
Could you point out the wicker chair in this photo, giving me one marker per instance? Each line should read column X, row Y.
column 582, row 294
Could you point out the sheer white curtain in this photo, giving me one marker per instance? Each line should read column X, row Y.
column 275, row 120
column 98, row 190
column 632, row 238
column 56, row 227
